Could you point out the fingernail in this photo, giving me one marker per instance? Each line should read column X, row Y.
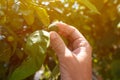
column 54, row 23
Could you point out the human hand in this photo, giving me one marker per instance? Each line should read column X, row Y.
column 75, row 60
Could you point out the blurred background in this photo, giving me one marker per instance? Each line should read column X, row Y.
column 102, row 29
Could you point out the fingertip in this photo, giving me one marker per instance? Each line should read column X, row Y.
column 58, row 24
column 53, row 35
column 61, row 24
column 57, row 43
column 52, row 32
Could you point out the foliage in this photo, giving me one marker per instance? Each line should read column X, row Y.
column 22, row 37
column 35, row 47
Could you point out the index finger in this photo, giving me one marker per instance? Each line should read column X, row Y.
column 69, row 32
column 78, row 41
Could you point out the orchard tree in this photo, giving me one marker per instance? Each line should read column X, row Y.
column 24, row 36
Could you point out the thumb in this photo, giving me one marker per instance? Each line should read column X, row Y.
column 57, row 44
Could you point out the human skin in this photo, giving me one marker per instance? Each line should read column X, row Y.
column 74, row 60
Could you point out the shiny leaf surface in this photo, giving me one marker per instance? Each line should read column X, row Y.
column 36, row 46
column 42, row 15
column 89, row 5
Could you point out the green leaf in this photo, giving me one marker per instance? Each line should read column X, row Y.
column 29, row 18
column 36, row 46
column 69, row 0
column 115, row 69
column 5, row 51
column 89, row 5
column 42, row 15
column 27, row 12
column 55, row 72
